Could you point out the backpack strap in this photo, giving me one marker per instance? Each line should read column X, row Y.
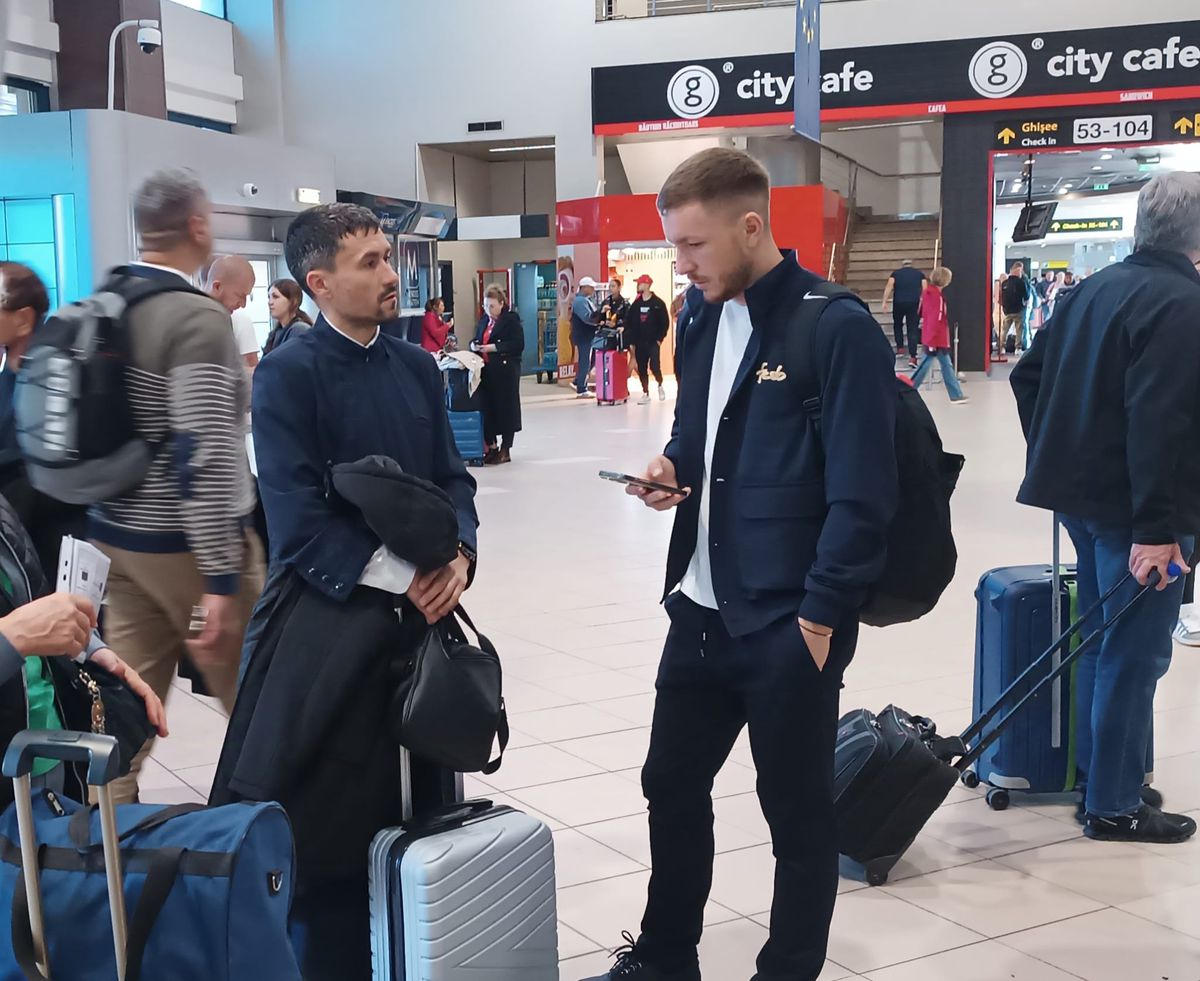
column 133, row 288
column 693, row 306
column 800, row 348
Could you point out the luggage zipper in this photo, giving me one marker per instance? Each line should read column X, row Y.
column 845, row 749
column 55, row 806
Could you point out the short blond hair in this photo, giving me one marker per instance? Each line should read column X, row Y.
column 496, row 292
column 717, row 175
column 941, row 277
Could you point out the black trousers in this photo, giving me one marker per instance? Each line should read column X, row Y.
column 649, row 358
column 709, row 687
column 907, row 314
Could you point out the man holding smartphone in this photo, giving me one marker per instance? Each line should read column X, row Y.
column 779, row 535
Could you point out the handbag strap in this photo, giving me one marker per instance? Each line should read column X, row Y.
column 80, row 826
column 502, row 735
column 462, row 615
column 502, row 731
column 160, row 880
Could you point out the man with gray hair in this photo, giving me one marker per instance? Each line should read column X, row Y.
column 1109, row 398
column 183, row 557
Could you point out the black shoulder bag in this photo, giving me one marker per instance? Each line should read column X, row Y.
column 452, row 704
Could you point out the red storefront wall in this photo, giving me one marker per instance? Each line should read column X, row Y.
column 809, row 219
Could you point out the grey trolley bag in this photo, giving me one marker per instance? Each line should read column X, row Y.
column 463, row 893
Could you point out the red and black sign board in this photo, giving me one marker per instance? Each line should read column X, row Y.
column 1106, row 67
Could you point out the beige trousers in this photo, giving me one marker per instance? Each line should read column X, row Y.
column 149, row 607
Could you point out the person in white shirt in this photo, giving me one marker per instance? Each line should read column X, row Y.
column 780, row 532
column 230, row 281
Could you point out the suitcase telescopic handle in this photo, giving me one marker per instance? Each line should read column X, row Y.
column 98, row 752
column 977, row 727
column 103, row 760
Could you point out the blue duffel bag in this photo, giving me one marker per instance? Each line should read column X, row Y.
column 208, row 890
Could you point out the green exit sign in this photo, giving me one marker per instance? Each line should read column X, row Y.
column 1099, row 187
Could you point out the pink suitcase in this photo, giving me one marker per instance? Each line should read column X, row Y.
column 612, row 377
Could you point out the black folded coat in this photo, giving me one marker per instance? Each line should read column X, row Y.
column 415, row 519
column 319, row 676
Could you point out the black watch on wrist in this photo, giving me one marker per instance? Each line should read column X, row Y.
column 469, row 553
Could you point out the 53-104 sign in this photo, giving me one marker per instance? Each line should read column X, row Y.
column 1115, row 129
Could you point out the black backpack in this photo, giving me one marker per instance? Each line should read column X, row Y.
column 75, row 425
column 1014, row 292
column 921, row 555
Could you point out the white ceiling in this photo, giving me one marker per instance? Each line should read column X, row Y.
column 1079, row 172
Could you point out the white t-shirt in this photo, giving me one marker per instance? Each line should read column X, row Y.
column 733, row 334
column 243, row 332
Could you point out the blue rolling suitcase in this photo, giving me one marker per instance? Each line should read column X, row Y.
column 468, row 436
column 1016, row 621
column 893, row 770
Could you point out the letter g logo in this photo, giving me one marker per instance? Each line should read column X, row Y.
column 693, row 92
column 998, row 70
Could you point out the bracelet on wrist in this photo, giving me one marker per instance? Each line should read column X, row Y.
column 815, row 633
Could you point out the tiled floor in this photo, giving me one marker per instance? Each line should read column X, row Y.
column 568, row 590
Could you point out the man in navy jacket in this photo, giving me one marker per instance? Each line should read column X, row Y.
column 1109, row 397
column 779, row 536
column 338, row 393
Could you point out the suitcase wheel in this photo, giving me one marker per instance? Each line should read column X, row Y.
column 998, row 799
column 877, row 872
column 970, row 779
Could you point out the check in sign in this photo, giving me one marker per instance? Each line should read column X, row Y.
column 1114, row 129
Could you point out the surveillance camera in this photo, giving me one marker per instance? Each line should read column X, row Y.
column 149, row 39
column 249, row 190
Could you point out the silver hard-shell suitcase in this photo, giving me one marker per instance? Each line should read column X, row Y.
column 465, row 892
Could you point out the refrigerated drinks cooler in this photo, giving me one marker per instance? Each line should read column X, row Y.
column 536, row 300
column 415, row 228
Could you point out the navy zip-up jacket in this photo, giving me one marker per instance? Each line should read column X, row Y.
column 1109, row 398
column 798, row 522
column 322, row 399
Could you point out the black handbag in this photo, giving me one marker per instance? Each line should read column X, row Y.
column 452, row 702
column 93, row 699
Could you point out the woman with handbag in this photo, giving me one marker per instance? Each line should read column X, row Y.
column 500, row 341
column 41, row 687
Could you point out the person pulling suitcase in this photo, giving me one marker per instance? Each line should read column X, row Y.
column 1110, row 385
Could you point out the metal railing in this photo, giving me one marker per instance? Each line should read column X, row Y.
column 625, row 9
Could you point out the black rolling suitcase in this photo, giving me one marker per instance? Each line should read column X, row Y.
column 893, row 770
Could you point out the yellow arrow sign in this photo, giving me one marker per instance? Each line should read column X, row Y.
column 1184, row 125
column 1006, row 135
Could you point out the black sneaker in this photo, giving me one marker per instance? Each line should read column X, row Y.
column 1150, row 797
column 631, row 967
column 1146, row 824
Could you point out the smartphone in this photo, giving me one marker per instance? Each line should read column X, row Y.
column 624, row 478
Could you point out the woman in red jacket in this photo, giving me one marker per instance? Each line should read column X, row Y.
column 935, row 335
column 434, row 329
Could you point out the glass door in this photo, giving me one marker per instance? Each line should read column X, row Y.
column 256, row 304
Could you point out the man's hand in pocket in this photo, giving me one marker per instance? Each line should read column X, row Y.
column 818, row 638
